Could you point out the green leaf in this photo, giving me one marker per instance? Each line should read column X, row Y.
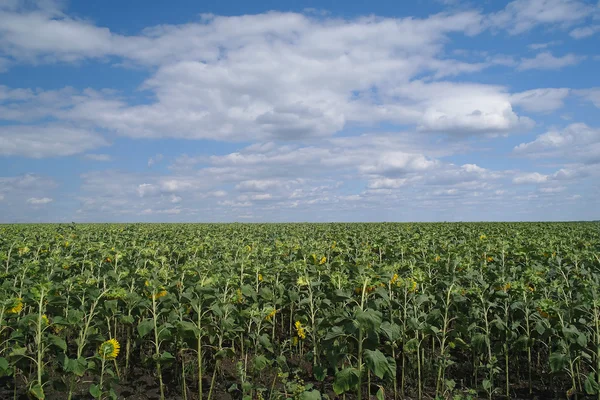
column 377, row 363
column 558, row 362
column 224, row 353
column 320, row 373
column 369, row 320
column 487, row 385
column 58, row 342
column 479, row 341
column 590, row 385
column 380, row 395
column 310, row 395
column 345, row 380
column 79, row 366
column 3, row 364
column 166, row 356
column 582, row 340
column 37, row 391
column 127, row 319
column 540, row 328
column 145, row 327
column 335, row 332
column 411, row 346
column 391, row 331
column 95, row 391
column 187, row 327
column 260, row 362
column 265, row 342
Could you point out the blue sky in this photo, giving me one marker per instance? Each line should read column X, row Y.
column 433, row 110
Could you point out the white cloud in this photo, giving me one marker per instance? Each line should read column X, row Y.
column 577, row 141
column 394, row 163
column 98, row 157
column 47, row 141
column 168, row 211
column 273, row 76
column 461, row 108
column 26, row 182
column 540, row 100
column 39, row 201
column 585, row 31
column 540, row 46
column 592, row 95
column 555, row 189
column 546, row 60
column 256, row 185
column 529, row 178
column 522, row 15
column 387, row 183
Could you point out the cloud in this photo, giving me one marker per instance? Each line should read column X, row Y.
column 547, row 61
column 555, row 189
column 522, row 15
column 169, row 211
column 577, row 141
column 43, row 35
column 39, row 201
column 529, row 178
column 540, row 100
column 585, row 31
column 98, row 157
column 397, row 163
column 461, row 108
column 210, row 78
column 26, row 182
column 47, row 141
column 540, row 46
column 153, row 160
column 592, row 95
column 256, row 185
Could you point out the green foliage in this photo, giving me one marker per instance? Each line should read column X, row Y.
column 301, row 310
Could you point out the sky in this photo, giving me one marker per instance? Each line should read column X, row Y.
column 270, row 111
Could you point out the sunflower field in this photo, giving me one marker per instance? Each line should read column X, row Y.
column 300, row 311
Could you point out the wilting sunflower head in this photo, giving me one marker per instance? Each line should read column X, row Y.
column 109, row 350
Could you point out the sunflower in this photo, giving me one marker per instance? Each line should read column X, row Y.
column 260, row 277
column 300, row 330
column 109, row 350
column 394, row 279
column 323, row 260
column 160, row 294
column 17, row 308
column 270, row 316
